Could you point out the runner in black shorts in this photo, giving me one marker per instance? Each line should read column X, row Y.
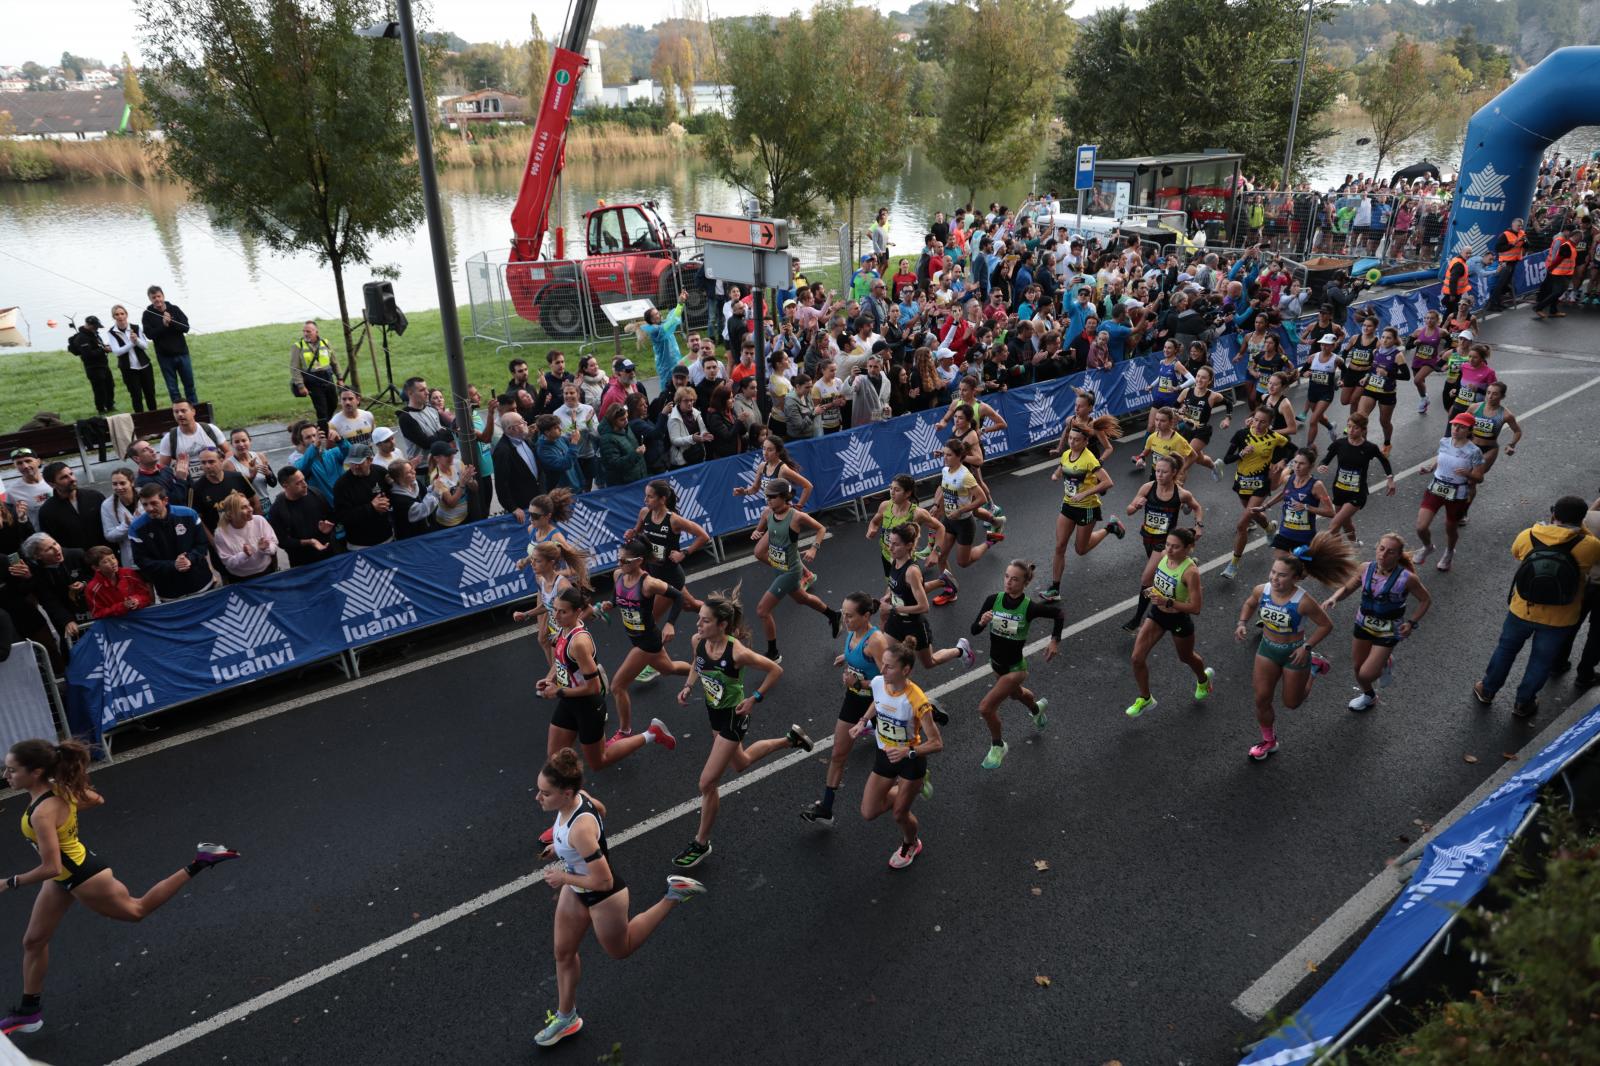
column 1161, row 500
column 634, row 594
column 905, row 609
column 662, row 527
column 1008, row 616
column 1195, row 405
column 1176, row 601
column 1322, row 371
column 1357, row 354
column 863, row 647
column 1351, row 455
column 907, row 732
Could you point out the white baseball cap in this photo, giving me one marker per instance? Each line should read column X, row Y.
column 382, row 435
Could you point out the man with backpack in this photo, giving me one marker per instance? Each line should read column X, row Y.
column 1546, row 599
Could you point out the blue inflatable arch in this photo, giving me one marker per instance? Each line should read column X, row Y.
column 1507, row 138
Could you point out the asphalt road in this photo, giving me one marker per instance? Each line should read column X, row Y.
column 1147, row 868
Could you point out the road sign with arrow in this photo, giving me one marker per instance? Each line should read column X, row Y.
column 769, row 233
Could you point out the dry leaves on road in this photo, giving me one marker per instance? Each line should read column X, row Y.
column 1041, row 980
column 1469, row 758
column 1036, row 890
column 1040, row 865
column 1509, row 756
column 1311, row 966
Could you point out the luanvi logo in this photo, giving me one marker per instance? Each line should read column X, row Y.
column 488, row 574
column 1043, row 420
column 1483, row 186
column 859, row 473
column 924, row 458
column 586, row 529
column 1450, row 865
column 1472, row 241
column 247, row 641
column 126, row 690
column 372, row 605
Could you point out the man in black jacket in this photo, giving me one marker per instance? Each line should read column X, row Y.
column 71, row 515
column 516, row 471
column 167, row 327
column 303, row 520
column 88, row 345
column 57, row 578
column 170, row 547
column 361, row 500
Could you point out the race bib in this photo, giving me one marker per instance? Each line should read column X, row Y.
column 1465, row 394
column 893, row 733
column 778, row 556
column 563, row 679
column 1443, row 489
column 855, row 682
column 1164, row 583
column 1275, row 617
column 1070, row 487
column 658, row 552
column 714, row 689
column 1156, row 522
column 1378, row 381
column 1483, row 427
column 1249, row 483
column 1296, row 518
column 1321, row 377
column 1004, row 625
column 1380, row 627
column 632, row 619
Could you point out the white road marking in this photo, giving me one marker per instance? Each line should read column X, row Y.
column 462, row 910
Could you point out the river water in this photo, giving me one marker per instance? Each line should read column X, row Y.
column 75, row 249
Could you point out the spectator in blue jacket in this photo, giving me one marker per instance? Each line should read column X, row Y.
column 558, row 460
column 662, row 333
column 319, row 454
column 169, row 546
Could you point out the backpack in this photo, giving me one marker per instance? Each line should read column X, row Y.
column 172, row 437
column 1549, row 575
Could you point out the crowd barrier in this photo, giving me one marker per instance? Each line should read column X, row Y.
column 29, row 703
column 1454, row 869
column 169, row 654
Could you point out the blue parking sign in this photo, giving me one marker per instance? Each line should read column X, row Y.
column 1085, row 173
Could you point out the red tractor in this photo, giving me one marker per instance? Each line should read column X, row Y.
column 630, row 249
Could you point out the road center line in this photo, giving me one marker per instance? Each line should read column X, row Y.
column 430, row 925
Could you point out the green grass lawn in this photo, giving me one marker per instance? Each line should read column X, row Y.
column 245, row 372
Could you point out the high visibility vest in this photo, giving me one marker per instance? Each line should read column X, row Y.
column 1566, row 266
column 1517, row 240
column 318, row 358
column 1457, row 288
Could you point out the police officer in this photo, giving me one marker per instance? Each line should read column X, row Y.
column 88, row 345
column 314, row 372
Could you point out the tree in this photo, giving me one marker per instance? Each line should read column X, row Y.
column 1186, row 75
column 1402, row 91
column 538, row 52
column 675, row 56
column 133, row 96
column 999, row 84
column 669, row 97
column 286, row 123
column 785, row 143
column 76, row 65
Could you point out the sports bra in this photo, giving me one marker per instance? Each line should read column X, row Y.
column 1358, row 353
column 721, row 682
column 1280, row 619
column 1486, row 427
column 858, row 664
column 560, row 841
column 1168, row 581
column 900, row 592
column 72, row 850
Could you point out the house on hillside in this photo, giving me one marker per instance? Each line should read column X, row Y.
column 65, row 114
column 484, row 105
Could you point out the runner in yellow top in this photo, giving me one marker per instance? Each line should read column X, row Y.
column 1252, row 449
column 902, row 720
column 56, row 779
column 1164, row 439
column 1083, row 479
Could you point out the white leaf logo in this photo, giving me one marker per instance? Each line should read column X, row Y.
column 587, row 529
column 689, row 502
column 857, row 460
column 484, row 561
column 242, row 629
column 113, row 670
column 1042, row 413
column 1473, row 242
column 1487, row 184
column 923, row 438
column 1450, row 865
column 369, row 591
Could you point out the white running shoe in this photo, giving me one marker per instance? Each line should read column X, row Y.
column 1364, row 701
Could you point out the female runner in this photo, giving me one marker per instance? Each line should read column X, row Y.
column 957, row 497
column 662, row 528
column 1101, row 430
column 905, row 611
column 1161, row 498
column 1488, row 419
column 56, row 779
column 782, row 526
column 544, row 512
column 597, row 897
column 1172, row 378
column 1252, row 448
column 984, row 419
column 1325, row 368
column 1284, row 422
column 1008, row 617
column 1284, row 653
column 907, row 732
column 1083, row 478
column 720, row 659
column 1378, row 388
column 1164, row 439
column 1427, row 347
column 774, row 463
column 1195, row 405
column 1352, row 455
column 1458, row 466
column 901, row 508
column 1304, row 499
column 1358, row 360
column 1476, row 377
column 1380, row 621
column 578, row 686
column 1463, row 318
column 556, row 566
column 1269, row 363
column 634, row 593
column 1175, row 599
column 1454, row 360
column 965, row 430
column 863, row 647
column 1253, row 344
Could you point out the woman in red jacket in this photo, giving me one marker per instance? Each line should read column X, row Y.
column 114, row 590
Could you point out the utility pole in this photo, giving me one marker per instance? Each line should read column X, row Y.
column 1299, row 84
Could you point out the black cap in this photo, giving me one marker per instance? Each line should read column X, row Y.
column 92, row 322
column 441, row 447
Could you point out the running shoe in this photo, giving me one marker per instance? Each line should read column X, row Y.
column 559, row 1028
column 547, row 836
column 1117, row 529
column 621, row 734
column 927, row 785
column 1386, row 678
column 1320, row 664
column 1139, row 706
column 945, row 598
column 691, row 855
column 949, row 580
column 1132, row 625
column 904, row 856
column 1052, row 594
column 797, row 738
column 601, row 613
column 680, row 889
column 1138, row 462
column 1260, row 751
column 835, row 620
column 1272, row 528
column 1230, row 571
column 21, row 1020
column 994, row 537
column 660, row 735
column 806, row 581
column 1422, row 408
column 1449, row 557
column 1364, row 701
column 964, row 646
column 922, row 552
column 1202, row 689
column 649, row 673
column 999, row 521
column 1039, row 718
column 211, row 854
column 996, row 755
column 941, row 717
column 1216, row 473
column 1422, row 555
column 817, row 815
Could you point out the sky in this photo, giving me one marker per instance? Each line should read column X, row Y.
column 104, row 29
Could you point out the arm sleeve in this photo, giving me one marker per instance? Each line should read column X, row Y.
column 983, row 605
column 1383, row 460
column 1235, row 446
column 1051, row 611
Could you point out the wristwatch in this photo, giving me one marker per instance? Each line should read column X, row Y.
column 758, row 696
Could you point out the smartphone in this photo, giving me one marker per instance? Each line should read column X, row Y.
column 13, row 559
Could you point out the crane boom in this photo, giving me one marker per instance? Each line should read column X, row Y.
column 547, row 155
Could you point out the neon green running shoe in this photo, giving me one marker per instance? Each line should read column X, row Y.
column 649, row 673
column 997, row 755
column 927, row 785
column 1039, row 719
column 1139, row 706
column 1202, row 689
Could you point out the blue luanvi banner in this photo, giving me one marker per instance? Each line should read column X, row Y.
column 1454, row 869
column 171, row 653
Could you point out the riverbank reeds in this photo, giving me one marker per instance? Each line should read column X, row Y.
column 50, row 160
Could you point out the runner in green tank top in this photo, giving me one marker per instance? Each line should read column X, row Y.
column 1009, row 617
column 1175, row 599
column 782, row 525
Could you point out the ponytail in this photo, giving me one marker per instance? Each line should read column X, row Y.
column 903, row 652
column 558, row 502
column 564, row 770
column 663, row 488
column 1328, row 559
column 863, row 603
column 65, row 766
column 724, row 607
column 559, row 553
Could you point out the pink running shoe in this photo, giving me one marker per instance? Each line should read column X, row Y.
column 903, row 857
column 211, row 854
column 661, row 735
column 621, row 734
column 1263, row 749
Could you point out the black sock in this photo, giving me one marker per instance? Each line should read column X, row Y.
column 772, row 649
column 1138, row 611
column 827, row 798
column 194, row 868
column 30, row 1003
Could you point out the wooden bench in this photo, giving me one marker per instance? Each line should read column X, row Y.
column 55, row 442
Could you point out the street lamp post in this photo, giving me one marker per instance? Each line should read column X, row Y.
column 455, row 357
column 1299, row 84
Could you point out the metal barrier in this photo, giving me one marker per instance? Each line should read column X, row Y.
column 513, row 304
column 30, row 699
